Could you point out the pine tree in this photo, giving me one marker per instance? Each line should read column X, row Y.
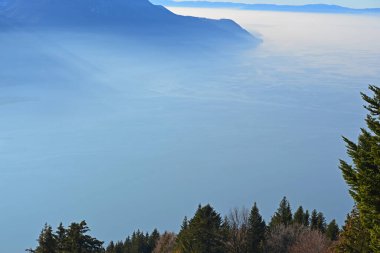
column 46, row 241
column 283, row 215
column 71, row 240
column 127, row 246
column 332, row 231
column 299, row 216
column 79, row 242
column 119, row 247
column 152, row 240
column 203, row 234
column 61, row 239
column 256, row 231
column 363, row 176
column 110, row 248
column 306, row 218
column 354, row 238
column 314, row 220
column 321, row 222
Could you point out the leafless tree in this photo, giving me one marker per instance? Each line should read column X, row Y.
column 281, row 238
column 166, row 243
column 311, row 241
column 237, row 220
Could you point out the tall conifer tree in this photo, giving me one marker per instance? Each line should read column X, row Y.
column 299, row 216
column 204, row 233
column 332, row 231
column 256, row 231
column 283, row 215
column 363, row 175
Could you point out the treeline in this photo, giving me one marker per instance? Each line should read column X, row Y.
column 245, row 231
column 241, row 231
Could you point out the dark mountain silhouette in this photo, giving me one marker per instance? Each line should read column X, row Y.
column 136, row 17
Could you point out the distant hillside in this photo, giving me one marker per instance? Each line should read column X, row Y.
column 316, row 8
column 134, row 17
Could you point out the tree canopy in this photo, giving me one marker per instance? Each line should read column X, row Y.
column 363, row 175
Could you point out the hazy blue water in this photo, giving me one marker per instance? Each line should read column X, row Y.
column 127, row 135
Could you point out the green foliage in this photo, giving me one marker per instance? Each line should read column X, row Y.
column 314, row 220
column 321, row 222
column 204, row 233
column 139, row 242
column 46, row 241
column 301, row 218
column 283, row 215
column 363, row 176
column 306, row 218
column 242, row 231
column 61, row 238
column 332, row 231
column 354, row 238
column 256, row 231
column 318, row 221
column 299, row 215
column 71, row 240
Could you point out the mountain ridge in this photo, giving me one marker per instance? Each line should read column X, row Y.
column 137, row 17
column 315, row 8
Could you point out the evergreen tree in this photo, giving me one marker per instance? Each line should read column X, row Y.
column 127, row 245
column 71, row 240
column 363, row 176
column 61, row 239
column 203, row 234
column 314, row 220
column 321, row 222
column 152, row 240
column 299, row 216
column 283, row 215
column 110, row 248
column 354, row 238
column 46, row 241
column 256, row 231
column 119, row 248
column 306, row 218
column 332, row 231
column 79, row 242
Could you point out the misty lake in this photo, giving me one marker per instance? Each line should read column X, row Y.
column 127, row 135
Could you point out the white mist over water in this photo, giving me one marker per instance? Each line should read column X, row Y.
column 128, row 135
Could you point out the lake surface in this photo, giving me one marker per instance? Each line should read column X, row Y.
column 128, row 135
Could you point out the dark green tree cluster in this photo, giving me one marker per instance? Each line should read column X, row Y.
column 317, row 221
column 139, row 242
column 256, row 231
column 301, row 217
column 363, row 175
column 73, row 239
column 243, row 231
column 248, row 233
column 283, row 215
column 354, row 237
column 204, row 233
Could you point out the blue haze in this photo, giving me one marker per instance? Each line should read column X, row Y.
column 128, row 132
column 313, row 8
column 346, row 3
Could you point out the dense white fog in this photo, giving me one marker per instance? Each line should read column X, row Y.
column 128, row 134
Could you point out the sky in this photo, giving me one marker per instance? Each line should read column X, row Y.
column 346, row 3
